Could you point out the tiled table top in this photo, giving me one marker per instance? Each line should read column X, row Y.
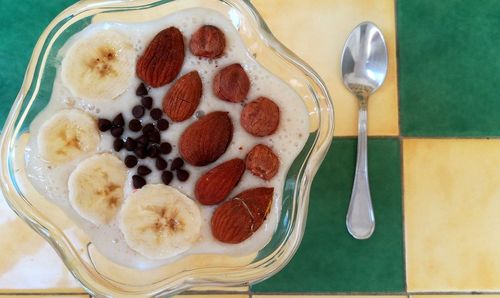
column 434, row 154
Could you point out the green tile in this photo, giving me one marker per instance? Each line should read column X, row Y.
column 449, row 67
column 329, row 259
column 20, row 27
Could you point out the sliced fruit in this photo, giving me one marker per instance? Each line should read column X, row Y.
column 231, row 83
column 237, row 219
column 215, row 185
column 96, row 188
column 208, row 41
column 99, row 66
column 160, row 222
column 260, row 117
column 163, row 58
column 262, row 162
column 183, row 98
column 207, row 139
column 67, row 135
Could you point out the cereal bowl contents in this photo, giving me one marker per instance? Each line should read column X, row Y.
column 196, row 106
column 162, row 145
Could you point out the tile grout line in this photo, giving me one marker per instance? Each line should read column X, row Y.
column 401, row 152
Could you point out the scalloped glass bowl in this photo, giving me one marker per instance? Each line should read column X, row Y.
column 100, row 276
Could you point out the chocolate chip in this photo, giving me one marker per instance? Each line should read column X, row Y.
column 182, row 175
column 161, row 164
column 135, row 125
column 130, row 144
column 140, row 153
column 177, row 163
column 143, row 170
column 141, row 90
column 130, row 161
column 138, row 181
column 167, row 177
column 156, row 113
column 147, row 102
column 118, row 120
column 162, row 124
column 165, row 148
column 148, row 128
column 153, row 151
column 142, row 139
column 116, row 131
column 138, row 111
column 142, row 145
column 118, row 145
column 104, row 124
column 154, row 136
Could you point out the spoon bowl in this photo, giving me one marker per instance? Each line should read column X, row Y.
column 364, row 58
column 364, row 67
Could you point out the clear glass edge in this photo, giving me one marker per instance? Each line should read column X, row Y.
column 251, row 273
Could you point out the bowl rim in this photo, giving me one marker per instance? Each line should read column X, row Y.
column 61, row 244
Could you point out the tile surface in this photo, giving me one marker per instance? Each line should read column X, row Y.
column 317, row 33
column 451, row 214
column 329, row 259
column 326, row 296
column 448, row 53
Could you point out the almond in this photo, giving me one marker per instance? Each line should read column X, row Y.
column 237, row 219
column 260, row 117
column 262, row 162
column 231, row 83
column 207, row 139
column 183, row 98
column 163, row 58
column 215, row 185
column 208, row 42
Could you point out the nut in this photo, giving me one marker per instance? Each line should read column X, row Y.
column 208, row 42
column 237, row 219
column 207, row 139
column 215, row 185
column 163, row 58
column 183, row 97
column 262, row 162
column 260, row 117
column 231, row 83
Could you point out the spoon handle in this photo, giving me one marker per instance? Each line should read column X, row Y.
column 360, row 219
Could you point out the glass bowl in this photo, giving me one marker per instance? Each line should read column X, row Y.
column 98, row 275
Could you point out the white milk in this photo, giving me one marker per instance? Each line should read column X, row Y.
column 287, row 141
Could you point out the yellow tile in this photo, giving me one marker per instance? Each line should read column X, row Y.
column 327, row 296
column 452, row 214
column 316, row 32
column 27, row 262
column 47, row 296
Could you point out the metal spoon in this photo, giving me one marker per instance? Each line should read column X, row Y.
column 364, row 66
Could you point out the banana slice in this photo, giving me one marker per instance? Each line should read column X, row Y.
column 159, row 222
column 99, row 66
column 68, row 135
column 96, row 188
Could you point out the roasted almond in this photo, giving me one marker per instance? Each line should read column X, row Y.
column 208, row 41
column 231, row 83
column 260, row 117
column 183, row 97
column 207, row 139
column 215, row 185
column 237, row 219
column 262, row 162
column 163, row 58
